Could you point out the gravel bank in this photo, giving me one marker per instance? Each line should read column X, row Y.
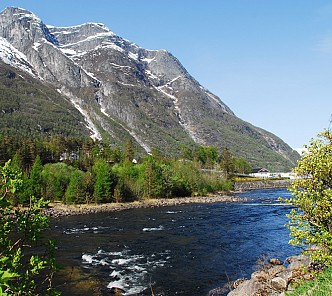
column 59, row 209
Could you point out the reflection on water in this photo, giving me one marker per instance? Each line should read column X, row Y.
column 182, row 250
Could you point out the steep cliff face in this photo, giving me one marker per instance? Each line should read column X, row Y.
column 124, row 91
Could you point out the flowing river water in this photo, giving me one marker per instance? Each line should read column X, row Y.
column 179, row 250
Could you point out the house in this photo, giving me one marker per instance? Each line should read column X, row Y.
column 260, row 173
column 260, row 170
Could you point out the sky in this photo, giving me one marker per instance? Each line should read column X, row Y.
column 270, row 61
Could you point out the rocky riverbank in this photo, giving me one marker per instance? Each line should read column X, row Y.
column 59, row 209
column 273, row 279
column 263, row 184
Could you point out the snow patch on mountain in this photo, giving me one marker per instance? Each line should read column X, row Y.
column 133, row 56
column 151, row 75
column 146, row 60
column 95, row 135
column 74, row 29
column 68, row 51
column 132, row 133
column 177, row 110
column 11, row 56
column 89, row 38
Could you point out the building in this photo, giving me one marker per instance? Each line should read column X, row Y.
column 260, row 173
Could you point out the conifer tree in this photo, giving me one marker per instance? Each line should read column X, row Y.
column 75, row 192
column 103, row 181
column 129, row 151
column 35, row 179
column 227, row 163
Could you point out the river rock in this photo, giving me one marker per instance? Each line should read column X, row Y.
column 248, row 287
column 275, row 261
column 278, row 283
column 274, row 270
column 296, row 262
column 238, row 282
column 116, row 291
column 275, row 278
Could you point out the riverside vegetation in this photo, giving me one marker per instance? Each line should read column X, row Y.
column 311, row 218
column 26, row 261
column 95, row 172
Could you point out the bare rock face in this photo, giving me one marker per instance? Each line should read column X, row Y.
column 28, row 34
column 127, row 92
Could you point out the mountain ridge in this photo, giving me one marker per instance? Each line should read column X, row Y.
column 124, row 91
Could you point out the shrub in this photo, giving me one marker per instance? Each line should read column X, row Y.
column 311, row 217
column 26, row 264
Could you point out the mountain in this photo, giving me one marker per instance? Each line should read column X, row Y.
column 109, row 88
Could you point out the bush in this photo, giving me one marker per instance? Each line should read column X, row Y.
column 26, row 264
column 311, row 218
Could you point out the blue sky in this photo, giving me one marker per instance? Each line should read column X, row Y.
column 270, row 61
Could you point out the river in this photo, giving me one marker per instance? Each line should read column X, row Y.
column 180, row 250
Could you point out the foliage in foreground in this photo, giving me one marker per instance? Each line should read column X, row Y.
column 320, row 286
column 311, row 218
column 26, row 264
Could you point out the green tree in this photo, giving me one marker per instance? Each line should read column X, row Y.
column 130, row 181
column 75, row 192
column 186, row 152
column 129, row 151
column 103, row 181
column 206, row 155
column 227, row 163
column 241, row 166
column 26, row 264
column 311, row 218
column 35, row 180
column 155, row 184
column 55, row 178
column 88, row 183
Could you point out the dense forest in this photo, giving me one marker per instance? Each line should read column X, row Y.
column 80, row 170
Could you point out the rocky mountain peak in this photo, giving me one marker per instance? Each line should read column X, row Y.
column 19, row 13
column 80, row 33
column 23, row 28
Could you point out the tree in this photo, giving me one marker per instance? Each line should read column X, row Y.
column 26, row 264
column 75, row 192
column 35, row 182
column 311, row 218
column 129, row 151
column 206, row 155
column 103, row 181
column 55, row 179
column 241, row 166
column 186, row 152
column 155, row 184
column 227, row 163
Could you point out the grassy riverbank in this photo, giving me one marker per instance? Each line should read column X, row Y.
column 320, row 286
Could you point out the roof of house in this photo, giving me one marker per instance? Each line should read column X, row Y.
column 260, row 170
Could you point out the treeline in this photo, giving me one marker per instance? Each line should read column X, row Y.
column 79, row 170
